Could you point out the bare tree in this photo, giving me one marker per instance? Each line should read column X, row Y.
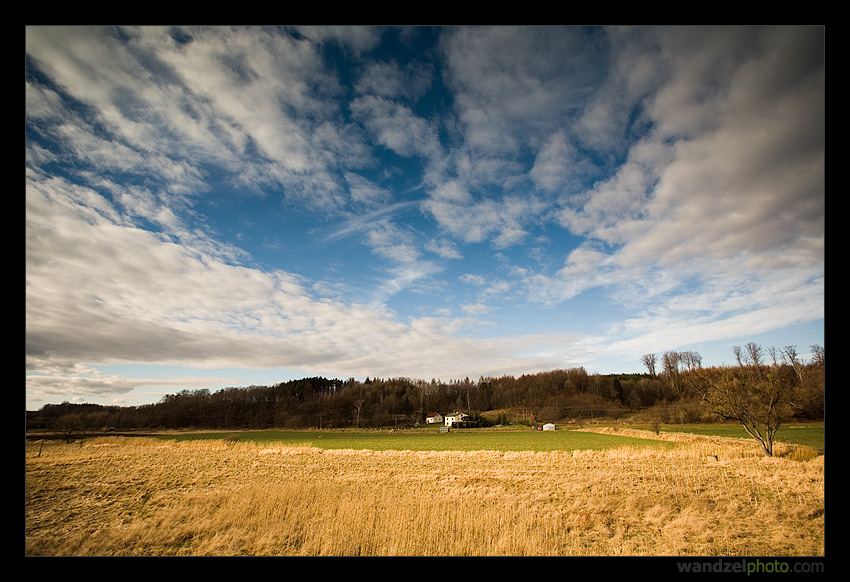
column 68, row 424
column 751, row 394
column 817, row 355
column 649, row 361
column 670, row 362
column 790, row 356
column 358, row 404
column 755, row 353
column 739, row 355
column 691, row 360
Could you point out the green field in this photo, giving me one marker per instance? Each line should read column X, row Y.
column 433, row 440
column 523, row 439
column 810, row 435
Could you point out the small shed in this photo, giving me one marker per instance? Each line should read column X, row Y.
column 549, row 426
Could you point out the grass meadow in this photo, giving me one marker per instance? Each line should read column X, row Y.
column 431, row 439
column 603, row 492
column 510, row 439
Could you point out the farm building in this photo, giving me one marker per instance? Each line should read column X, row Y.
column 549, row 426
column 455, row 418
column 434, row 418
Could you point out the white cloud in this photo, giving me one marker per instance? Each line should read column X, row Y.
column 510, row 83
column 559, row 168
column 504, row 221
column 365, row 191
column 475, row 308
column 390, row 80
column 748, row 181
column 446, row 249
column 397, row 127
column 257, row 104
column 358, row 38
column 473, row 279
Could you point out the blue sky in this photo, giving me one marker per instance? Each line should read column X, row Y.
column 227, row 206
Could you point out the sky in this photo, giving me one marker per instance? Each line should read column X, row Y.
column 210, row 207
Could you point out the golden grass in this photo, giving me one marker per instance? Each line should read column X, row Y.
column 141, row 497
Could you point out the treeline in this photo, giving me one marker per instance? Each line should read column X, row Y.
column 669, row 394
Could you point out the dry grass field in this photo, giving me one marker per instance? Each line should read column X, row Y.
column 147, row 497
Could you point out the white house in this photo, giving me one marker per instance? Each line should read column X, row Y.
column 549, row 426
column 434, row 418
column 455, row 417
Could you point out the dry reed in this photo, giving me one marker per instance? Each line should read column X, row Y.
column 140, row 497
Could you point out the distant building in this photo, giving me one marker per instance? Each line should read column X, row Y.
column 455, row 418
column 434, row 418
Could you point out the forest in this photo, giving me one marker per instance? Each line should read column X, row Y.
column 675, row 388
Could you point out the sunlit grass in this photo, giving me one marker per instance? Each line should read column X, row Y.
column 147, row 497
